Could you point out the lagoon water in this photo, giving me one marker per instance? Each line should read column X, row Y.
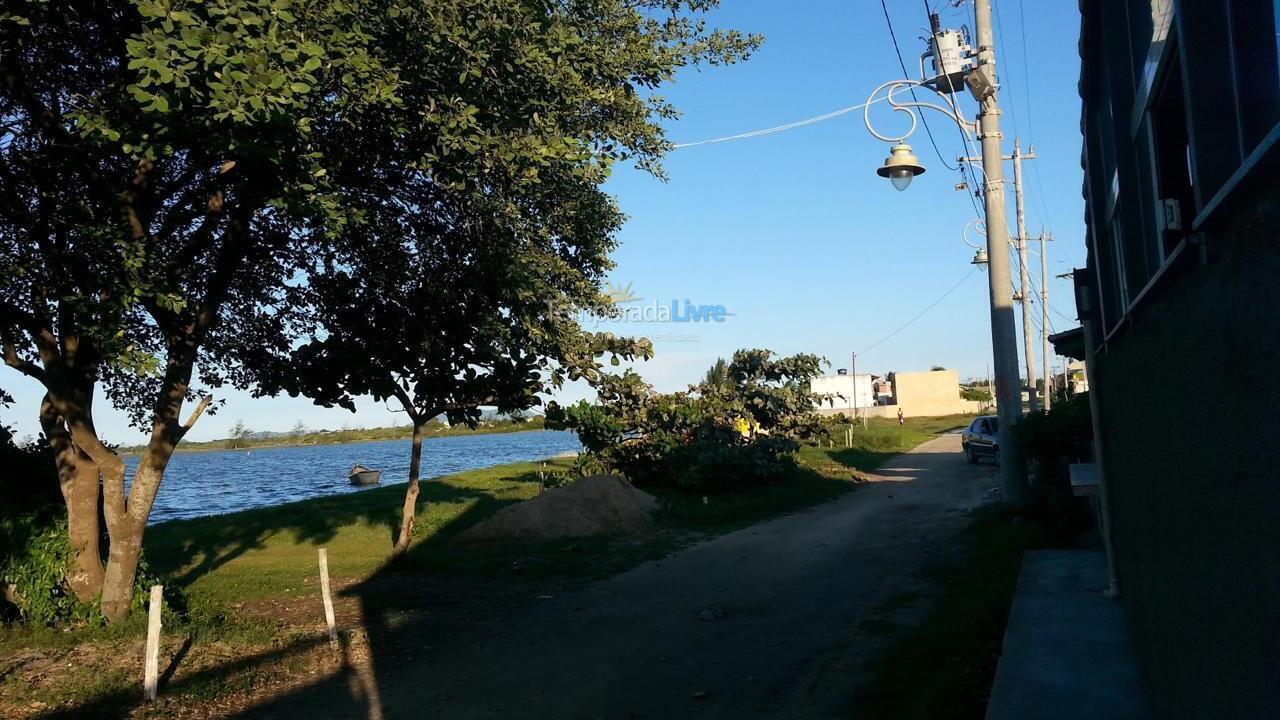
column 222, row 481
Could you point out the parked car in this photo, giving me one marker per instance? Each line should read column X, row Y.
column 981, row 439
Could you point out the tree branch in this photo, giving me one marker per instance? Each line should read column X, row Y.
column 26, row 367
column 196, row 413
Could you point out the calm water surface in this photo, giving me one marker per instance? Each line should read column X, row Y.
column 222, row 481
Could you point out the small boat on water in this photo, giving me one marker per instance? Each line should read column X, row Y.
column 361, row 475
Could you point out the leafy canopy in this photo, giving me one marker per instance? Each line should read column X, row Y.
column 176, row 172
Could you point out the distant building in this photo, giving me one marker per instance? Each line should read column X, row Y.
column 841, row 387
column 932, row 393
column 1181, row 124
column 883, row 390
column 917, row 394
column 1073, row 376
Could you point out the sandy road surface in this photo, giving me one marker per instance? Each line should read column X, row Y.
column 762, row 622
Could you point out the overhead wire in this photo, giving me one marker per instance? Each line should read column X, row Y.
column 780, row 128
column 918, row 315
column 1041, row 203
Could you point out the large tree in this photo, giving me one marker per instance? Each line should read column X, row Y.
column 447, row 320
column 173, row 173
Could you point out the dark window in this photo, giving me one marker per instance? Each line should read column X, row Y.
column 1204, row 43
column 1253, row 43
column 1175, row 197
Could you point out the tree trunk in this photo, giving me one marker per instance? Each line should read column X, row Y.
column 126, row 523
column 81, row 495
column 410, row 494
column 78, row 479
column 126, row 519
column 122, row 570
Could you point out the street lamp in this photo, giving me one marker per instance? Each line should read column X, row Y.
column 979, row 252
column 901, row 166
column 959, row 63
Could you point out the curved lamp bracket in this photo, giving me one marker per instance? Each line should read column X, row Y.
column 896, row 86
column 980, row 226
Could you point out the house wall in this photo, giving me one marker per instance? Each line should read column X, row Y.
column 930, row 394
column 1195, row 482
column 1186, row 108
column 843, row 385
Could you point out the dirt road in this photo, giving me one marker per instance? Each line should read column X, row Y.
column 763, row 622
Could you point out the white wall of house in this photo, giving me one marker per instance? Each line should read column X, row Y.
column 843, row 385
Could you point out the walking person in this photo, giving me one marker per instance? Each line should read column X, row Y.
column 900, row 419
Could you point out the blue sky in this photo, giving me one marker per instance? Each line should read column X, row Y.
column 793, row 233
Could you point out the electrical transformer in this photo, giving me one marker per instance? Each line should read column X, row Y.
column 951, row 57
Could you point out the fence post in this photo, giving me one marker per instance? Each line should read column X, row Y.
column 328, row 601
column 151, row 667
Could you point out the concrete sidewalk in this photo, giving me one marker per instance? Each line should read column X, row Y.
column 1066, row 651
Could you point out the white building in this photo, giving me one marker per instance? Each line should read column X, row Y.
column 841, row 387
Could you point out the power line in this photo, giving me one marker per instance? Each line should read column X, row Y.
column 779, row 128
column 1042, row 205
column 919, row 315
column 906, row 75
column 1013, row 104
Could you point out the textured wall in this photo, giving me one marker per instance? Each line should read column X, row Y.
column 1195, row 481
column 930, row 393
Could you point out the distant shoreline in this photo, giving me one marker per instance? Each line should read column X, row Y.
column 346, row 437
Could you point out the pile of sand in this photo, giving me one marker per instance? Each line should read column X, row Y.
column 596, row 505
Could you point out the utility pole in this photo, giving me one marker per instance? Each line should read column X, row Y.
column 853, row 380
column 853, row 372
column 1024, row 296
column 982, row 84
column 1044, row 319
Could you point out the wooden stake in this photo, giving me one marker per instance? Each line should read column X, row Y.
column 151, row 672
column 328, row 601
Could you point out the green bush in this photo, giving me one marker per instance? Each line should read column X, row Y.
column 1053, row 440
column 29, row 479
column 740, row 427
column 35, row 553
column 34, row 556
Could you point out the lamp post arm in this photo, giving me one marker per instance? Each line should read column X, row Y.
column 895, row 86
column 975, row 223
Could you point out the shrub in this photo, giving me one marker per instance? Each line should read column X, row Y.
column 1053, row 440
column 35, row 553
column 740, row 426
column 29, row 479
column 34, row 556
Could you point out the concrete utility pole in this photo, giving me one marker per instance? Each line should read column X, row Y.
column 1024, row 287
column 982, row 84
column 853, row 373
column 1044, row 319
column 1022, row 295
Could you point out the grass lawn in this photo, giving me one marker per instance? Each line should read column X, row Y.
column 248, row 580
column 942, row 668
